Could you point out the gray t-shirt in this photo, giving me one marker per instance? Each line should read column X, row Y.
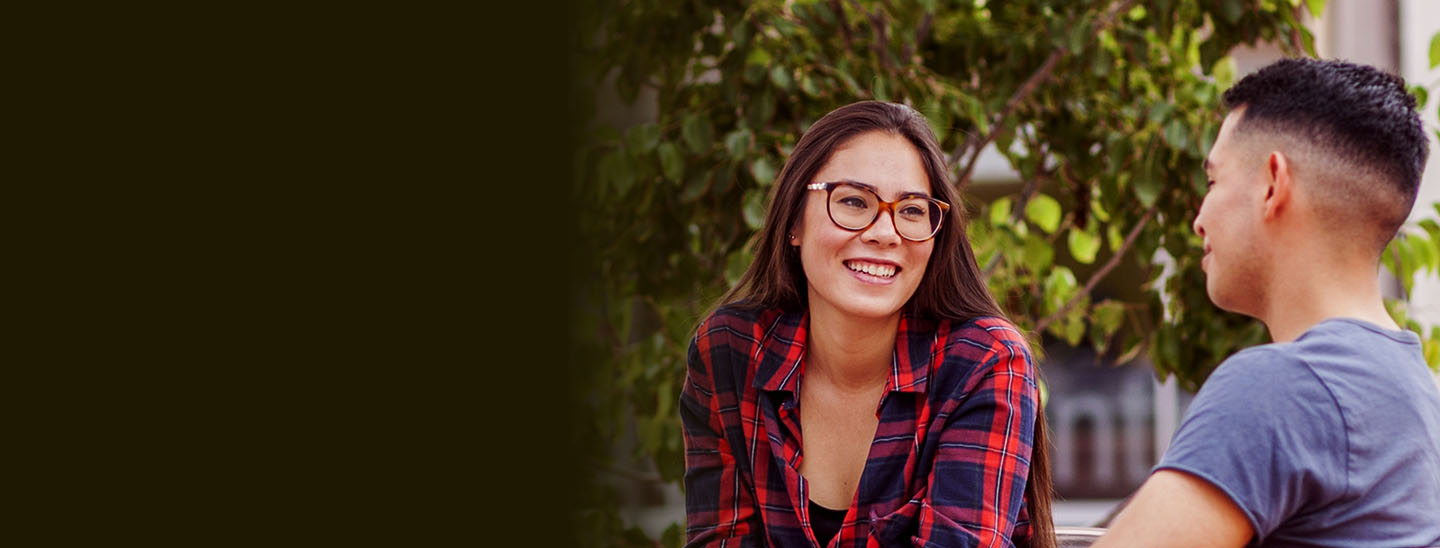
column 1330, row 440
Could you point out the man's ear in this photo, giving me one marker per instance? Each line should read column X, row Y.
column 1280, row 183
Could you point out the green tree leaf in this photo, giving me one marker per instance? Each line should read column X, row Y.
column 1083, row 245
column 735, row 265
column 1177, row 134
column 697, row 132
column 695, row 187
column 1044, row 211
column 616, row 171
column 1107, row 318
column 672, row 163
column 1059, row 286
column 761, row 111
column 673, row 535
column 1232, row 10
column 780, row 77
column 1000, row 211
column 1073, row 326
column 1147, row 183
column 754, row 209
column 808, row 85
column 738, row 143
column 643, row 138
column 1435, row 50
column 763, row 170
column 1039, row 254
column 1114, row 238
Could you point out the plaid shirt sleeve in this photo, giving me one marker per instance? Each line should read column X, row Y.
column 719, row 510
column 976, row 488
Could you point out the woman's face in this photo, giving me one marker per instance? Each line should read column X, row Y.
column 870, row 273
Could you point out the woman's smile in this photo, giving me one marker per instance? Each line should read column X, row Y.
column 874, row 272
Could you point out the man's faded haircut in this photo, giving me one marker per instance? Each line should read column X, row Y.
column 1359, row 116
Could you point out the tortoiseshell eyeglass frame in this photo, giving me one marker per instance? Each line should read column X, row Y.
column 830, row 187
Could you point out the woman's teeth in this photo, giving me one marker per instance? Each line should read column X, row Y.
column 881, row 271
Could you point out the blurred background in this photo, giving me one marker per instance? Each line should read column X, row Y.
column 1077, row 129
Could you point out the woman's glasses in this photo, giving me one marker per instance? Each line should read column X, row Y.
column 853, row 206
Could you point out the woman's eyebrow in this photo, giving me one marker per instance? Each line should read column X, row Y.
column 869, row 186
column 876, row 189
column 912, row 194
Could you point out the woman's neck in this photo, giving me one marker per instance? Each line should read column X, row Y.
column 850, row 352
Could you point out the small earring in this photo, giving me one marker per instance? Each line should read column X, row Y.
column 792, row 236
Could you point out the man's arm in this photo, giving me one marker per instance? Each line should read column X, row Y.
column 1177, row 509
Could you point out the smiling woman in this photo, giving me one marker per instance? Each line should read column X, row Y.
column 859, row 386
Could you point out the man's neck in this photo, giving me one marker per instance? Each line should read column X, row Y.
column 1339, row 289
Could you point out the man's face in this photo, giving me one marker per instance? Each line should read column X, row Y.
column 1229, row 221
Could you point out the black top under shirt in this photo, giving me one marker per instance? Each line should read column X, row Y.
column 825, row 522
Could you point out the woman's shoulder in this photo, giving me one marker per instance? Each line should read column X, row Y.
column 738, row 327
column 726, row 346
column 976, row 347
column 986, row 331
column 737, row 316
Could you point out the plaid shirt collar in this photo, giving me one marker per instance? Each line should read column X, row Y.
column 782, row 350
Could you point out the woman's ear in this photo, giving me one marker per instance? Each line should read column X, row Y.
column 794, row 238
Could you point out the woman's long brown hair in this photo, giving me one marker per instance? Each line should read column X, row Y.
column 951, row 289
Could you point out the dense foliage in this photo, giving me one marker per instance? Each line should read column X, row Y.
column 1104, row 108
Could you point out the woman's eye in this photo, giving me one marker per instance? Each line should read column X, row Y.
column 856, row 203
column 914, row 212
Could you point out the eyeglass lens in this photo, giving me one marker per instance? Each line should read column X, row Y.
column 855, row 207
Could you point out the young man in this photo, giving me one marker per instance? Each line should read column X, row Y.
column 1329, row 436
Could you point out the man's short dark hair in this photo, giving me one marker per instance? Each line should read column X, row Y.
column 1356, row 113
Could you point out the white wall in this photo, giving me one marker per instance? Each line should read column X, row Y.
column 1419, row 20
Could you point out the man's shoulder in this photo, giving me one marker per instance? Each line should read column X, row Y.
column 1347, row 356
column 1259, row 363
column 1261, row 384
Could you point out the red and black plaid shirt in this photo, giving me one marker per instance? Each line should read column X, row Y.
column 947, row 466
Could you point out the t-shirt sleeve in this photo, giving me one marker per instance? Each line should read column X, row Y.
column 1266, row 431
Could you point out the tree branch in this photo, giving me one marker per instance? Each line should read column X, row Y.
column 1296, row 40
column 1104, row 270
column 839, row 10
column 877, row 26
column 975, row 142
column 860, row 91
column 920, row 31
